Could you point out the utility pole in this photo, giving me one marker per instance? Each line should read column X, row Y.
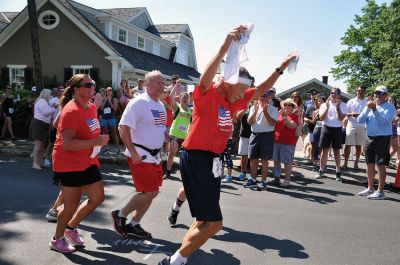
column 37, row 63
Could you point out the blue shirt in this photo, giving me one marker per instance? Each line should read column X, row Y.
column 378, row 122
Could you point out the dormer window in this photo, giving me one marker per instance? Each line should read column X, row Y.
column 122, row 35
column 48, row 19
column 140, row 42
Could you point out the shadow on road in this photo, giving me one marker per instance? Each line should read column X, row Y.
column 285, row 247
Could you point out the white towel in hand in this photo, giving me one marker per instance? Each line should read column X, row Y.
column 235, row 56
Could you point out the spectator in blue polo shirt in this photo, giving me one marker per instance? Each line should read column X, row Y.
column 378, row 116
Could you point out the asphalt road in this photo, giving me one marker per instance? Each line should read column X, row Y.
column 311, row 222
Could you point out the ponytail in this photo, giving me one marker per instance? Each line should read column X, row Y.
column 66, row 97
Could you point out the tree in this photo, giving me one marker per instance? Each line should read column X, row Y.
column 372, row 55
column 37, row 63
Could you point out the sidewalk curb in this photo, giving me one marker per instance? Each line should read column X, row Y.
column 103, row 160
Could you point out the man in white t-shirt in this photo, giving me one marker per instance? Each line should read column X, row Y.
column 139, row 89
column 179, row 88
column 356, row 133
column 331, row 113
column 142, row 129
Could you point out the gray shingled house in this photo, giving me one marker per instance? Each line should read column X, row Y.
column 109, row 44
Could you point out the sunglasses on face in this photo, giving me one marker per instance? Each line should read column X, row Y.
column 379, row 93
column 268, row 94
column 87, row 85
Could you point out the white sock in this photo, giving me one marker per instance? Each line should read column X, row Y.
column 176, row 207
column 177, row 259
column 121, row 215
column 133, row 222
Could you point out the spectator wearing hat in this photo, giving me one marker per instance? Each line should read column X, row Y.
column 262, row 119
column 378, row 116
column 108, row 121
column 285, row 139
column 275, row 102
column 176, row 82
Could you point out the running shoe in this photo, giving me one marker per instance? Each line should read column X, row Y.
column 172, row 216
column 262, row 185
column 227, row 179
column 251, row 183
column 52, row 215
column 376, row 196
column 338, row 177
column 118, row 223
column 46, row 163
column 242, row 176
column 366, row 192
column 73, row 237
column 137, row 231
column 320, row 175
column 61, row 245
column 285, row 183
column 276, row 181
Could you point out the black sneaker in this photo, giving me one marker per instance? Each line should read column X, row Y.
column 338, row 177
column 166, row 176
column 165, row 261
column 137, row 231
column 118, row 223
column 172, row 216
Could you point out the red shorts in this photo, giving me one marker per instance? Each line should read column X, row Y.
column 147, row 177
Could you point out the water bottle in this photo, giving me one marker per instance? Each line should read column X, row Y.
column 293, row 64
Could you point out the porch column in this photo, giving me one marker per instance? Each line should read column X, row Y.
column 115, row 61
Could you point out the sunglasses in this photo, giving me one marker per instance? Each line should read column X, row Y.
column 379, row 93
column 87, row 85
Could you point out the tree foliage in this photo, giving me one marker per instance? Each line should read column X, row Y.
column 372, row 56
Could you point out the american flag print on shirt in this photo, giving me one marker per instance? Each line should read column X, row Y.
column 224, row 119
column 93, row 124
column 160, row 118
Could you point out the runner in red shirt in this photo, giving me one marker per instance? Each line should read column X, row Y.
column 75, row 164
column 214, row 107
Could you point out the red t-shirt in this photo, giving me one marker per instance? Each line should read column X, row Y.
column 212, row 120
column 169, row 113
column 86, row 125
column 284, row 135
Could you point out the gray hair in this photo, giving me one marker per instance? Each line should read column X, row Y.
column 150, row 75
column 45, row 94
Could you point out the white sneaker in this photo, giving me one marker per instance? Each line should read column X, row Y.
column 366, row 192
column 376, row 196
column 285, row 183
column 47, row 163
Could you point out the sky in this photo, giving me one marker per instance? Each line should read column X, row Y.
column 314, row 27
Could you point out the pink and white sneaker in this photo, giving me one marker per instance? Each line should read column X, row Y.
column 61, row 245
column 73, row 237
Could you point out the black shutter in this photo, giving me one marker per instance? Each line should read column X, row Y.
column 172, row 54
column 67, row 74
column 5, row 75
column 28, row 72
column 94, row 74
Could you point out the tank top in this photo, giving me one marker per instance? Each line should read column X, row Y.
column 181, row 123
column 8, row 106
column 108, row 111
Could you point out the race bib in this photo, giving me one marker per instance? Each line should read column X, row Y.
column 11, row 110
column 217, row 167
column 107, row 110
column 181, row 128
column 96, row 151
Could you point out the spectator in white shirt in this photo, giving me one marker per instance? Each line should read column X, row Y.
column 356, row 133
column 177, row 84
column 40, row 125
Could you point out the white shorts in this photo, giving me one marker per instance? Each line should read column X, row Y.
column 356, row 135
column 243, row 146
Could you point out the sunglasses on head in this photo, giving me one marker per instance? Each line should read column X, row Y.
column 87, row 85
column 379, row 93
column 288, row 105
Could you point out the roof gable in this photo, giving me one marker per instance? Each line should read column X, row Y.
column 124, row 14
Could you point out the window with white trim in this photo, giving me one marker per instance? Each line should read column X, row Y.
column 156, row 48
column 140, row 42
column 81, row 69
column 122, row 35
column 182, row 57
column 17, row 75
column 48, row 19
